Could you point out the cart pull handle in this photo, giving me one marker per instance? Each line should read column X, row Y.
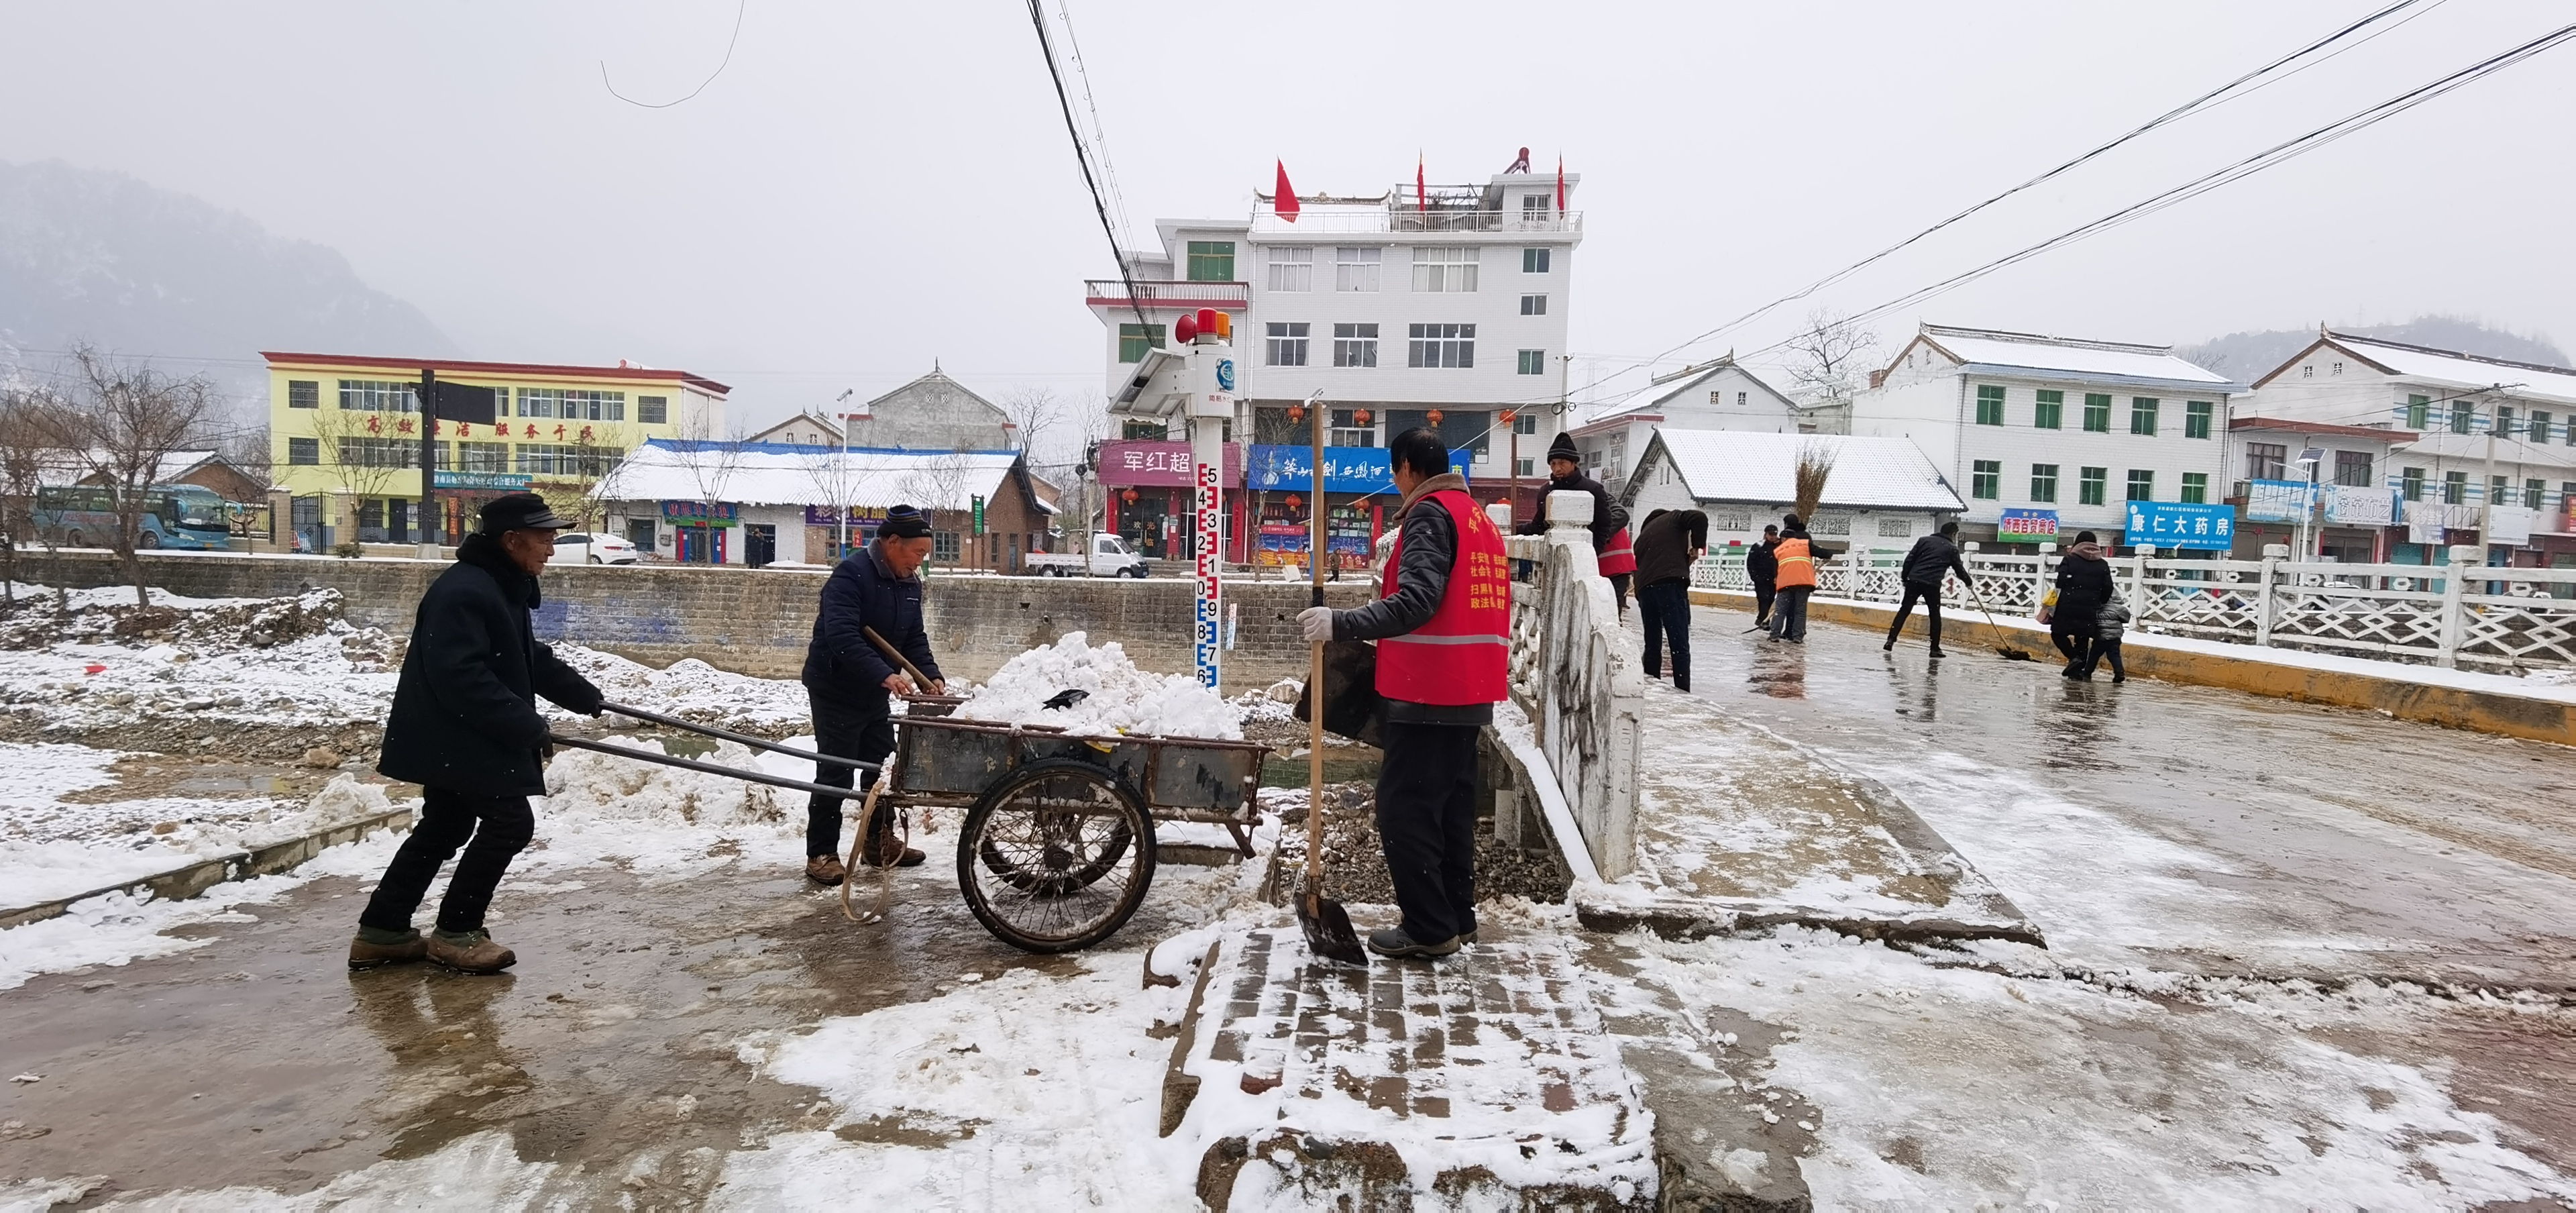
column 691, row 764
column 744, row 738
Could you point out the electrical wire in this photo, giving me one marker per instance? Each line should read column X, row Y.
column 2208, row 100
column 1082, row 156
column 1099, row 130
column 702, row 85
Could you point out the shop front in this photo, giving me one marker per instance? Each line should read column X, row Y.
column 1359, row 501
column 700, row 532
column 1152, row 502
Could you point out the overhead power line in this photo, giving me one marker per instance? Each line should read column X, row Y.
column 2207, row 100
column 721, row 64
column 1082, row 156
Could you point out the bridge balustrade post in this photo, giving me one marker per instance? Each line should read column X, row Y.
column 2273, row 555
column 2455, row 611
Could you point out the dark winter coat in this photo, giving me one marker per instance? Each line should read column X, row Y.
column 2083, row 585
column 1608, row 516
column 1421, row 580
column 1664, row 546
column 1932, row 556
column 841, row 663
column 465, row 710
column 1762, row 562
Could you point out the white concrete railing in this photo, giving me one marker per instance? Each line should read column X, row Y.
column 2459, row 614
column 1576, row 676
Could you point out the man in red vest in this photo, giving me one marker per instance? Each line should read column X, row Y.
column 1442, row 622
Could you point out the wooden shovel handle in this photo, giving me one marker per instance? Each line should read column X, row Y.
column 920, row 681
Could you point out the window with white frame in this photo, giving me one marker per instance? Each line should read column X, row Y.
column 1354, row 345
column 1443, row 270
column 1525, row 422
column 1287, row 344
column 377, row 396
column 1348, row 429
column 1534, row 260
column 1292, row 269
column 1533, row 305
column 1355, row 269
column 1441, row 345
column 540, row 401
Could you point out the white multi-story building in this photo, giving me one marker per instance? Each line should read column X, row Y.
column 1717, row 395
column 1881, row 496
column 2448, row 429
column 1443, row 307
column 2053, row 428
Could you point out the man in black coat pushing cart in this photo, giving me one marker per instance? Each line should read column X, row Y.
column 465, row 727
column 852, row 682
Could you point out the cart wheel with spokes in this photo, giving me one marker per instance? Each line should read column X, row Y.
column 1056, row 856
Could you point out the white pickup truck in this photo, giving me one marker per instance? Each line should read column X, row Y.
column 1109, row 557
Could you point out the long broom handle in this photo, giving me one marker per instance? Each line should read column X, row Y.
column 730, row 735
column 1315, row 681
column 691, row 764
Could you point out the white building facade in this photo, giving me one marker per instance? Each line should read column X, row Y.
column 1716, row 396
column 1882, row 495
column 2062, row 433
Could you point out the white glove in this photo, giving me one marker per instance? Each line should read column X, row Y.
column 1316, row 623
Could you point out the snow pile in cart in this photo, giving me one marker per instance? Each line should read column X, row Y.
column 1119, row 698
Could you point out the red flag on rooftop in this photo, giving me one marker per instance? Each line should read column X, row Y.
column 1421, row 192
column 1560, row 183
column 1285, row 204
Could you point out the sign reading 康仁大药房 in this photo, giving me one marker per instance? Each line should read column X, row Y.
column 2026, row 526
column 2176, row 524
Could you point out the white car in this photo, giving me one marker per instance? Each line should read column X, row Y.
column 583, row 547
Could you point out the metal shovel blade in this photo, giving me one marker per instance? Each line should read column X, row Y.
column 1328, row 930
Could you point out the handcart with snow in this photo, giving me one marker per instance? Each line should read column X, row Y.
column 1057, row 847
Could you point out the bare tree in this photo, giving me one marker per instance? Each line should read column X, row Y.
column 373, row 454
column 834, row 481
column 120, row 426
column 27, row 452
column 710, row 461
column 580, row 482
column 936, row 484
column 1035, row 412
column 1827, row 358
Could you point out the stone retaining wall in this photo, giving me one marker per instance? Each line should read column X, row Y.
column 757, row 621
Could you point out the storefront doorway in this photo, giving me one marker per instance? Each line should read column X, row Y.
column 701, row 544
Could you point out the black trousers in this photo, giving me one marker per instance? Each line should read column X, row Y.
column 1763, row 593
column 1426, row 821
column 1664, row 608
column 1930, row 597
column 2104, row 649
column 1789, row 613
column 843, row 730
column 2073, row 636
column 1619, row 589
column 500, row 827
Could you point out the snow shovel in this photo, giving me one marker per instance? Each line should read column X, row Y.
column 1326, row 923
column 2006, row 650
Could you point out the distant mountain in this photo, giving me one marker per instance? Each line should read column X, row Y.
column 2246, row 357
column 138, row 270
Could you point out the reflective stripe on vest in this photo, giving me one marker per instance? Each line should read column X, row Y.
column 1461, row 655
column 1619, row 556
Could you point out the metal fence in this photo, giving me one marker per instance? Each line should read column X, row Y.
column 2461, row 614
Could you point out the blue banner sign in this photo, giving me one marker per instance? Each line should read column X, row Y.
column 1347, row 469
column 2279, row 500
column 2174, row 524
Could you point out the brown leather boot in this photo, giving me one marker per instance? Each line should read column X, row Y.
column 373, row 949
column 884, row 850
column 471, row 952
column 825, row 870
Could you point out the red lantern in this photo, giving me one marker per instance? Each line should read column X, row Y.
column 1433, row 417
column 1296, row 412
column 1294, row 501
column 1360, row 416
column 1129, row 496
column 1509, row 415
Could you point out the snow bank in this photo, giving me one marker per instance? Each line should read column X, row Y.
column 1120, row 699
column 691, row 690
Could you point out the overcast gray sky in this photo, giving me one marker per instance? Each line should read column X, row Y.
column 867, row 187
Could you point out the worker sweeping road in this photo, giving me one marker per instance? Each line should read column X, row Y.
column 465, row 728
column 851, row 683
column 1442, row 621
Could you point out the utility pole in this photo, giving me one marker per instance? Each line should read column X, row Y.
column 2487, row 493
column 841, row 503
column 428, row 463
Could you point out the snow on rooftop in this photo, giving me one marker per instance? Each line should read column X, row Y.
column 1869, row 473
column 776, row 474
column 2019, row 351
column 2465, row 371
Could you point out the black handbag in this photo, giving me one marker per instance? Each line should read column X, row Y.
column 1352, row 706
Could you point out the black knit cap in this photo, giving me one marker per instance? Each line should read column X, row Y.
column 1563, row 448
column 521, row 512
column 904, row 522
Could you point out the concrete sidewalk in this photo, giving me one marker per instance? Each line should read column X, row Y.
column 1740, row 827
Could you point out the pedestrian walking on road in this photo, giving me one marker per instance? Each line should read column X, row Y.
column 851, row 683
column 1441, row 622
column 2083, row 585
column 465, row 727
column 1610, row 543
column 1797, row 579
column 1933, row 557
column 1667, row 546
column 1762, row 567
column 2114, row 620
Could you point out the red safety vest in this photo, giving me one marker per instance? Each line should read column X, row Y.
column 1463, row 655
column 1620, row 556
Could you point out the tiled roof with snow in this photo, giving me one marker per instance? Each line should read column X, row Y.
column 780, row 474
column 2465, row 370
column 1869, row 473
column 2103, row 361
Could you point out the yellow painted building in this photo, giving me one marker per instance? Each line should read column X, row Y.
column 344, row 436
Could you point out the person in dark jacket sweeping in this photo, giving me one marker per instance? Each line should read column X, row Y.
column 1933, row 556
column 1442, row 623
column 852, row 684
column 2083, row 585
column 465, row 728
column 1609, row 518
column 1667, row 546
column 1762, row 568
